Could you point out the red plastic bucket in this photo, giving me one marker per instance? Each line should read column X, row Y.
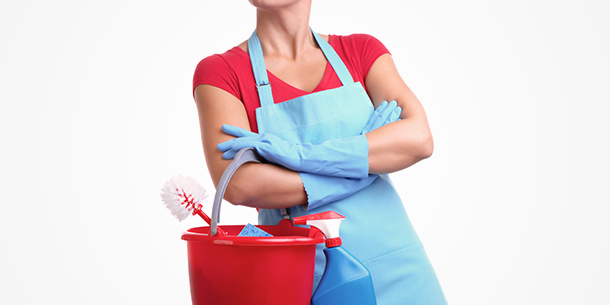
column 234, row 270
column 252, row 270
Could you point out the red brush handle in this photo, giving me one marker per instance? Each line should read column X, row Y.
column 209, row 221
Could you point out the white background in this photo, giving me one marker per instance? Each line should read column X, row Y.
column 97, row 113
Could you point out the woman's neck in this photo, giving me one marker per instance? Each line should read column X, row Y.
column 285, row 31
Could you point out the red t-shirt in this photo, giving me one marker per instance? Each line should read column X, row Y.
column 232, row 71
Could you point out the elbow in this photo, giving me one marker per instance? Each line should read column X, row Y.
column 242, row 189
column 238, row 193
column 232, row 194
column 425, row 147
column 239, row 189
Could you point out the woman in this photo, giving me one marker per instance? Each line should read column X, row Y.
column 306, row 103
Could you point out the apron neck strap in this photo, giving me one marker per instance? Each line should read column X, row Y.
column 260, row 71
column 335, row 61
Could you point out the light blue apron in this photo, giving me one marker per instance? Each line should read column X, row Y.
column 376, row 229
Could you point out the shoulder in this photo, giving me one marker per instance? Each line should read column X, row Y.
column 228, row 60
column 357, row 38
column 358, row 51
column 359, row 43
column 222, row 70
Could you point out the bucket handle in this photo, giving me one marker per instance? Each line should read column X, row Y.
column 245, row 155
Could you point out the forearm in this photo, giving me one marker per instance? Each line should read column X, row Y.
column 320, row 189
column 265, row 186
column 342, row 157
column 403, row 143
column 399, row 145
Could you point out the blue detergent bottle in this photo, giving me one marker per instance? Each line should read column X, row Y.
column 345, row 280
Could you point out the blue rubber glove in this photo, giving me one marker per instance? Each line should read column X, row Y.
column 325, row 189
column 322, row 190
column 384, row 114
column 343, row 157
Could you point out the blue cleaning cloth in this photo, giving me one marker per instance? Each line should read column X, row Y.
column 250, row 230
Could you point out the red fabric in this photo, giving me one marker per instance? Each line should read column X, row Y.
column 232, row 72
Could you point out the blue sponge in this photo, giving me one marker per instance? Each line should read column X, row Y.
column 250, row 230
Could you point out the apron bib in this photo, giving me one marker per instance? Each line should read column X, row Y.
column 376, row 230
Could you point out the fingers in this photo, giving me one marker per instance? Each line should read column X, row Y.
column 369, row 125
column 229, row 154
column 394, row 116
column 382, row 114
column 238, row 145
column 387, row 113
column 231, row 147
column 382, row 106
column 236, row 131
column 224, row 146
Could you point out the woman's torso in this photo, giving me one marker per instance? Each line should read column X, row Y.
column 232, row 72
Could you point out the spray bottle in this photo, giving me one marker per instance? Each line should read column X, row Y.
column 345, row 280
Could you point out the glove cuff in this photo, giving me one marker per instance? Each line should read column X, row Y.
column 346, row 157
column 322, row 190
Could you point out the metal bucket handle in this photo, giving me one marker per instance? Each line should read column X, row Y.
column 245, row 155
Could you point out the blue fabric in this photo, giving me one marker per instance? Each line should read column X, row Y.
column 294, row 121
column 342, row 157
column 376, row 230
column 334, row 60
column 260, row 75
column 324, row 189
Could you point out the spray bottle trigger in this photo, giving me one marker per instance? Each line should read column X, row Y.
column 327, row 222
column 318, row 216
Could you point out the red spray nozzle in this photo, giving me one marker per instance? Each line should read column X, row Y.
column 328, row 222
column 302, row 220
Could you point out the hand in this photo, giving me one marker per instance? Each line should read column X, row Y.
column 384, row 114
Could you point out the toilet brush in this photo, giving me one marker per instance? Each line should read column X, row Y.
column 183, row 195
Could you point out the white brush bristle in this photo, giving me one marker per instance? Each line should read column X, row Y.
column 181, row 195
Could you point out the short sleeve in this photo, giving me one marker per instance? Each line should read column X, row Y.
column 370, row 49
column 215, row 71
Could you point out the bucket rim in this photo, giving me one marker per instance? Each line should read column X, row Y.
column 285, row 240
